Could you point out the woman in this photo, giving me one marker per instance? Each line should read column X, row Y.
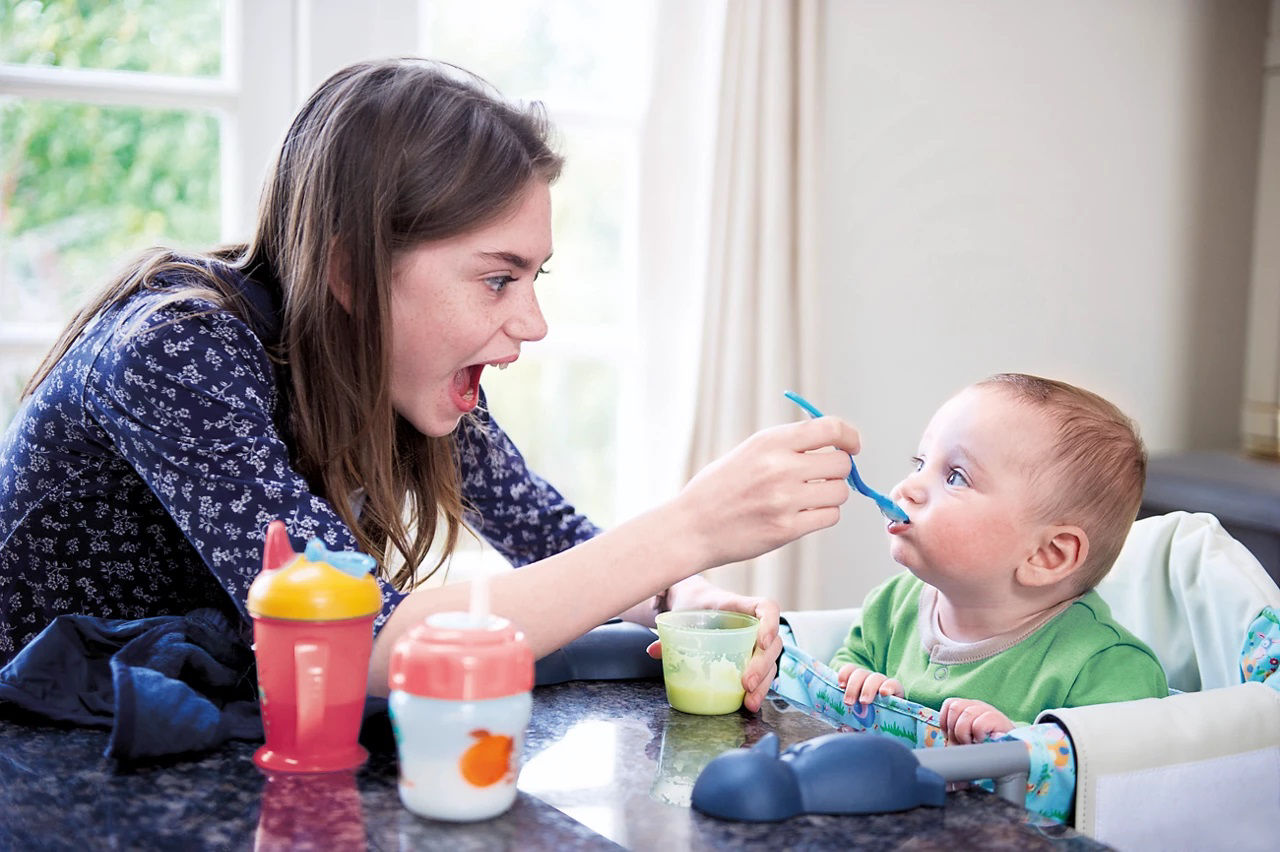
column 328, row 373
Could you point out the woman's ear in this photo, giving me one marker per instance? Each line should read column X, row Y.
column 338, row 276
column 1063, row 549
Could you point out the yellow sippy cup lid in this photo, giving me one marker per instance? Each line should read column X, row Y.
column 318, row 585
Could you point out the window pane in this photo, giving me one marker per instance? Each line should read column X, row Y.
column 16, row 367
column 181, row 37
column 561, row 414
column 588, row 61
column 589, row 282
column 86, row 186
column 594, row 51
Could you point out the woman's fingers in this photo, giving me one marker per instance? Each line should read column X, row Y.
column 770, row 490
column 824, row 493
column 762, row 667
column 807, row 435
column 761, row 671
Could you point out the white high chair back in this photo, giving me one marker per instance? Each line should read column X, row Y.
column 1188, row 589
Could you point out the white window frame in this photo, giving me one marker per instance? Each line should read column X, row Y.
column 251, row 114
column 275, row 52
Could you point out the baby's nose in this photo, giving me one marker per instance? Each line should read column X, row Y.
column 907, row 491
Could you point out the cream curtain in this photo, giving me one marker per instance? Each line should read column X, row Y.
column 674, row 193
column 758, row 308
column 1261, row 417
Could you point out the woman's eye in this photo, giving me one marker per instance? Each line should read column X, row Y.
column 542, row 270
column 498, row 283
column 957, row 477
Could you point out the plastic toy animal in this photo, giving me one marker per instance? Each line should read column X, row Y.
column 845, row 773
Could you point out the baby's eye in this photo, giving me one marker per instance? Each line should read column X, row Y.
column 498, row 283
column 916, row 462
column 957, row 478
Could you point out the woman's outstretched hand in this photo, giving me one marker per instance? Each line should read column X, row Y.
column 762, row 668
column 771, row 489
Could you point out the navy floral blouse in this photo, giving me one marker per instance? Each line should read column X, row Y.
column 140, row 476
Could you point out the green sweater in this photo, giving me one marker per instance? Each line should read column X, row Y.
column 1080, row 656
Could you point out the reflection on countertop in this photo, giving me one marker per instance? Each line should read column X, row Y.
column 605, row 763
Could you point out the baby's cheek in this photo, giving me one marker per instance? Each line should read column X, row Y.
column 973, row 542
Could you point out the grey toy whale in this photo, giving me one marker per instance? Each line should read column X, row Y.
column 842, row 773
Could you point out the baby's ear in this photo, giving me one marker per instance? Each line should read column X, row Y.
column 1063, row 549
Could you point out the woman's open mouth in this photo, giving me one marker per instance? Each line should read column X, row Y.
column 465, row 390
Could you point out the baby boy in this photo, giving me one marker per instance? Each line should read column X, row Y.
column 1022, row 493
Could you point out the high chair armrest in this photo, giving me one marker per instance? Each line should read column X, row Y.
column 1193, row 770
column 821, row 632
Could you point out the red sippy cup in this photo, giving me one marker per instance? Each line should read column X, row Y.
column 312, row 636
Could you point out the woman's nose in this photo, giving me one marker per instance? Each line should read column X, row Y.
column 527, row 322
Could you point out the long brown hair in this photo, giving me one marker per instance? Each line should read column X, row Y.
column 383, row 157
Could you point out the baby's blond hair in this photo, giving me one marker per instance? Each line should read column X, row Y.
column 1095, row 476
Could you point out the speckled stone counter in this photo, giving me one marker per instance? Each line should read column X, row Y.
column 606, row 764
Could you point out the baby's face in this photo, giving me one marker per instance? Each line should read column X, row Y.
column 969, row 496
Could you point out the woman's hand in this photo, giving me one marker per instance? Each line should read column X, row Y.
column 769, row 490
column 698, row 593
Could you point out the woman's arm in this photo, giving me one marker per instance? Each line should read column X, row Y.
column 770, row 490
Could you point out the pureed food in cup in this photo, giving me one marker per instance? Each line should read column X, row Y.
column 704, row 653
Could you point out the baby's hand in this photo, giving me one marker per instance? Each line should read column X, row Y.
column 863, row 686
column 968, row 721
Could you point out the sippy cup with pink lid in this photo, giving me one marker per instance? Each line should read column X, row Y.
column 460, row 703
column 312, row 636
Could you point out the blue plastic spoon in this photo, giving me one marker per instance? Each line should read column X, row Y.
column 888, row 508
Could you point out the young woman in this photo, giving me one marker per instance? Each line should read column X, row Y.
column 328, row 373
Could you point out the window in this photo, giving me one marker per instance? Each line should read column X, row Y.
column 111, row 141
column 88, row 175
column 124, row 125
column 128, row 126
column 588, row 63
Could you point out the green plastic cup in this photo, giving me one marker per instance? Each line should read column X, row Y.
column 704, row 652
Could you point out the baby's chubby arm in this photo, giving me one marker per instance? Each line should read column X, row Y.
column 967, row 720
column 861, row 685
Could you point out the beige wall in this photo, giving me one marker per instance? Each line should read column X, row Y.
column 1037, row 186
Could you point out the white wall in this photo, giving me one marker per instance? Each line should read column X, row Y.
column 1036, row 186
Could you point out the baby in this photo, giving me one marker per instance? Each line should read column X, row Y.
column 1022, row 494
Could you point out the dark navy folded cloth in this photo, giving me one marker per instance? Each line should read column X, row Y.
column 165, row 685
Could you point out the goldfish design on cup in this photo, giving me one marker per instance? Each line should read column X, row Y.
column 312, row 637
column 460, row 703
column 489, row 760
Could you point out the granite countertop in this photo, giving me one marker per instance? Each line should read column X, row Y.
column 606, row 764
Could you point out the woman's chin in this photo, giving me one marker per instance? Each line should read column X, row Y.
column 433, row 424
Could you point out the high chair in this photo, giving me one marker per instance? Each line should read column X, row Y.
column 1198, row 769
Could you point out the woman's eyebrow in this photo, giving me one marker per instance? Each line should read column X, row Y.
column 511, row 258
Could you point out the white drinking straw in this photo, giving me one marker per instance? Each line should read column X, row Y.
column 480, row 600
